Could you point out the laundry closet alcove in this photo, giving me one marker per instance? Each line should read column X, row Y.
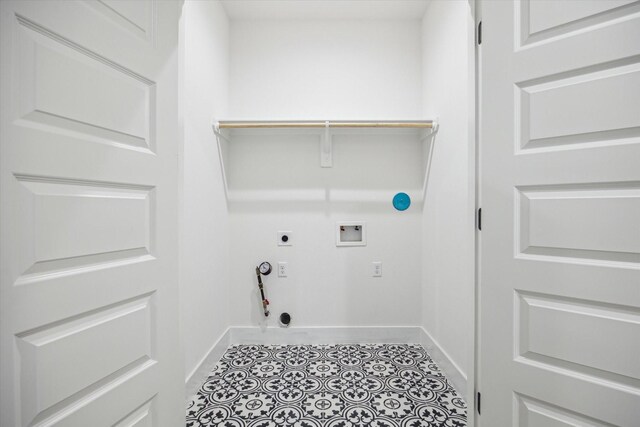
column 299, row 116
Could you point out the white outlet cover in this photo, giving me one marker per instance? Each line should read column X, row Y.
column 289, row 238
column 283, row 269
column 376, row 269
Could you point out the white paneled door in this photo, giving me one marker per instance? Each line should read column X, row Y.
column 89, row 326
column 560, row 195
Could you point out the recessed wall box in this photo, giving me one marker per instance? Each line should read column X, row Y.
column 351, row 233
column 285, row 238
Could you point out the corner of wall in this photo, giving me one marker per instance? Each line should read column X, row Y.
column 206, row 364
column 449, row 367
column 448, row 221
column 204, row 271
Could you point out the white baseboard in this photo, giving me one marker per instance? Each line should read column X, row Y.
column 450, row 368
column 197, row 377
column 326, row 335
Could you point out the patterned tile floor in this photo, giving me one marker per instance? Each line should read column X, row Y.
column 377, row 385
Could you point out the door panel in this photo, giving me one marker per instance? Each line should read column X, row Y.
column 560, row 195
column 542, row 105
column 136, row 17
column 57, row 78
column 566, row 221
column 542, row 20
column 89, row 214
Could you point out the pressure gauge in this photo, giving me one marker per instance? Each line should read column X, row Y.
column 265, row 268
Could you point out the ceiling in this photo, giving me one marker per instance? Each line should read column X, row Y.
column 325, row 9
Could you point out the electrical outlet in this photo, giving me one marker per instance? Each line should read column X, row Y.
column 283, row 269
column 285, row 238
column 376, row 269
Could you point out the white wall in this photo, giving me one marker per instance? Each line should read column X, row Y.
column 448, row 220
column 327, row 285
column 325, row 69
column 204, row 223
column 277, row 184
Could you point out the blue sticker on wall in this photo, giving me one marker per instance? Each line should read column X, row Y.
column 401, row 201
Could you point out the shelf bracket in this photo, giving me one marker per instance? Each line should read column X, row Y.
column 219, row 133
column 221, row 140
column 428, row 133
column 326, row 148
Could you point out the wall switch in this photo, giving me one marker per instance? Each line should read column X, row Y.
column 283, row 269
column 285, row 238
column 376, row 269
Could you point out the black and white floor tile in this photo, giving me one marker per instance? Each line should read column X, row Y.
column 376, row 385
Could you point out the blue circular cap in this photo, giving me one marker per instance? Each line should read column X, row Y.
column 401, row 201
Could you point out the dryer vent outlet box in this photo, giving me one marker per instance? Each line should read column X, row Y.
column 352, row 233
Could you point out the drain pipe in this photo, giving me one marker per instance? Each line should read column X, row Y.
column 285, row 320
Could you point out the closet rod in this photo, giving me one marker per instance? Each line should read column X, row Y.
column 320, row 124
